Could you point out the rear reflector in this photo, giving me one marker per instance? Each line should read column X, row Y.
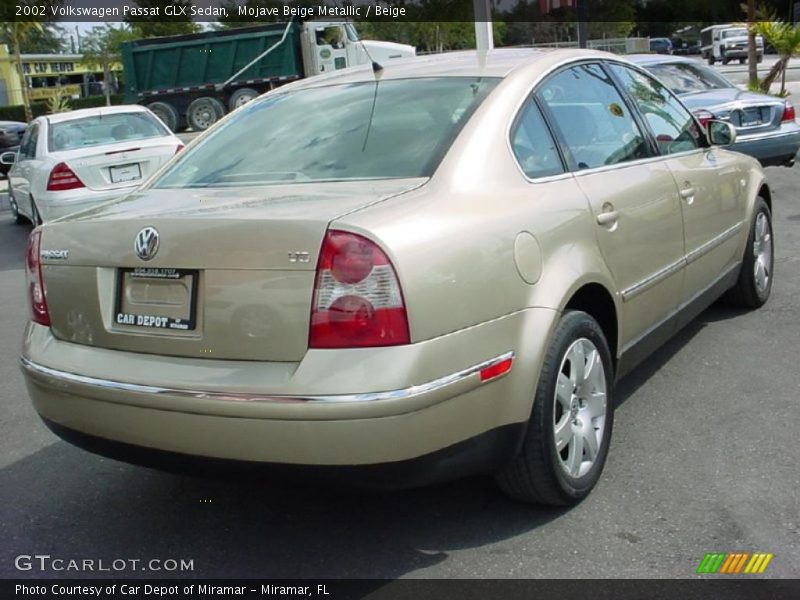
column 357, row 298
column 788, row 112
column 33, row 272
column 63, row 178
column 497, row 369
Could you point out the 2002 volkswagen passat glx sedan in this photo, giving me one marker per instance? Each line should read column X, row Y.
column 437, row 269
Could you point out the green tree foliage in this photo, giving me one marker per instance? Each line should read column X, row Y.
column 146, row 27
column 17, row 32
column 785, row 38
column 101, row 47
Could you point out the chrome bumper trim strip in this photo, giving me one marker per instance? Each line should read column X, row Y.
column 401, row 394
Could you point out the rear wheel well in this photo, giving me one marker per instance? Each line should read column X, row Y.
column 595, row 300
column 766, row 195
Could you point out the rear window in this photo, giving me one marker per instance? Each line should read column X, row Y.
column 103, row 129
column 683, row 78
column 366, row 130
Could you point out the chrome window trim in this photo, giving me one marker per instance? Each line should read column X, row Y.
column 399, row 394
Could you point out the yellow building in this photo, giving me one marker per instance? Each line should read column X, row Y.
column 50, row 74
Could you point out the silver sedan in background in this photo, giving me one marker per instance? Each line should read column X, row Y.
column 765, row 125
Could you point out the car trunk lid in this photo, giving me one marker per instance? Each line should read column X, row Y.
column 232, row 276
column 747, row 111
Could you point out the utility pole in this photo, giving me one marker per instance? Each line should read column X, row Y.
column 582, row 12
column 752, row 54
column 484, row 37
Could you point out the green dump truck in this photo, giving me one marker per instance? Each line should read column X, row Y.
column 193, row 80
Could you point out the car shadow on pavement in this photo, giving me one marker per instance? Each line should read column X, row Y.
column 65, row 502
column 629, row 384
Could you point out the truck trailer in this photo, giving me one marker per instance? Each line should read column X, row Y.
column 193, row 80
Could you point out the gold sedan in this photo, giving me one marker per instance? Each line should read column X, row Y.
column 426, row 271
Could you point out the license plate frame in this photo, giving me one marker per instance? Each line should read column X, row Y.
column 119, row 173
column 752, row 117
column 155, row 322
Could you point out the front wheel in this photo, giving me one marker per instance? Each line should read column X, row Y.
column 755, row 279
column 569, row 431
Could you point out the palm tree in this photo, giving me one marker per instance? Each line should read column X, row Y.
column 17, row 32
column 785, row 38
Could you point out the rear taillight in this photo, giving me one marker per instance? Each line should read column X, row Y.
column 788, row 112
column 704, row 117
column 357, row 298
column 33, row 272
column 179, row 148
column 63, row 178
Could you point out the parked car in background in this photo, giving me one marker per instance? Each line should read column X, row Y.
column 10, row 136
column 661, row 45
column 333, row 289
column 70, row 161
column 766, row 127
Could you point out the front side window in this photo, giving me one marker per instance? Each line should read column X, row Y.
column 103, row 129
column 27, row 148
column 592, row 117
column 387, row 129
column 533, row 145
column 673, row 126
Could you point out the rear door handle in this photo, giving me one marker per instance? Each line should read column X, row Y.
column 608, row 218
column 687, row 192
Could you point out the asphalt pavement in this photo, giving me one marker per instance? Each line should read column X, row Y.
column 703, row 459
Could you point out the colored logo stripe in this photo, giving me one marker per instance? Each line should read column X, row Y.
column 732, row 563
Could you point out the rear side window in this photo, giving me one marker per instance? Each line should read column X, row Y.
column 592, row 117
column 673, row 126
column 103, row 129
column 533, row 145
column 27, row 147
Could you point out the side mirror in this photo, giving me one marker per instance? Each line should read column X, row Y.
column 8, row 158
column 721, row 133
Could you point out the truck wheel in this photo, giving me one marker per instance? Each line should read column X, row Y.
column 204, row 112
column 741, row 61
column 760, row 58
column 241, row 97
column 166, row 112
column 711, row 60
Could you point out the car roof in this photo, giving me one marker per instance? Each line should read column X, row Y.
column 94, row 112
column 498, row 63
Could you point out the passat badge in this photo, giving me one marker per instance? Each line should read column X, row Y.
column 54, row 254
column 146, row 244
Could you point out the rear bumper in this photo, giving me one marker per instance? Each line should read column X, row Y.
column 771, row 149
column 285, row 419
column 55, row 205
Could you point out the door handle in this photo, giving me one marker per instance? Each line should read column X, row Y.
column 687, row 192
column 608, row 218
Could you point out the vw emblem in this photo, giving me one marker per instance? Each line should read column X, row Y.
column 146, row 244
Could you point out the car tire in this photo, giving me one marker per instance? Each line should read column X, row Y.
column 760, row 58
column 568, row 407
column 204, row 112
column 725, row 60
column 19, row 219
column 167, row 113
column 754, row 285
column 241, row 97
column 741, row 61
column 711, row 60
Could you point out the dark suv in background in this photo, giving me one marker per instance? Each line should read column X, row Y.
column 10, row 136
